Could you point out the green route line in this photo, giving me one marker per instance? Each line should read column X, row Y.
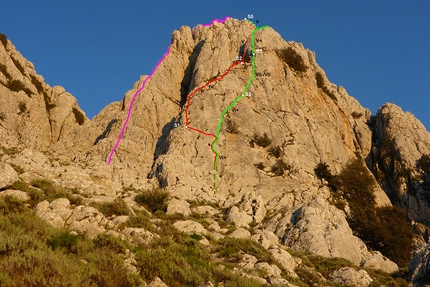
column 233, row 104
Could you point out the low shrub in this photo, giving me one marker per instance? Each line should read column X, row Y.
column 276, row 151
column 424, row 163
column 2, row 116
column 259, row 165
column 10, row 151
column 22, row 108
column 117, row 207
column 153, row 200
column 33, row 253
column 63, row 241
column 17, row 168
column 382, row 228
column 230, row 248
column 260, row 140
column 231, row 126
column 292, row 59
column 280, row 167
column 356, row 115
column 381, row 278
column 308, row 276
column 110, row 242
column 140, row 220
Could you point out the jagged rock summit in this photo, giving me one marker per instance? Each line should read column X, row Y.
column 236, row 118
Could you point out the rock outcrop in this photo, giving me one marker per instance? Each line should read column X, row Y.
column 399, row 142
column 233, row 126
column 31, row 111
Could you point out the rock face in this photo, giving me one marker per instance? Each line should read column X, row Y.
column 32, row 111
column 399, row 142
column 8, row 175
column 234, row 118
column 322, row 229
column 419, row 267
column 351, row 277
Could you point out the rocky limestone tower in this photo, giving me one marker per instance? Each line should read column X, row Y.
column 307, row 119
column 32, row 114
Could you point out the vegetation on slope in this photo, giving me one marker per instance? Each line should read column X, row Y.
column 382, row 228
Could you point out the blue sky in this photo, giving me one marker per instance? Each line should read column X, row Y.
column 378, row 50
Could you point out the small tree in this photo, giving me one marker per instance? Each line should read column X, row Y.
column 424, row 163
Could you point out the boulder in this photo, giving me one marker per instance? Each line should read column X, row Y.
column 178, row 206
column 205, row 210
column 238, row 218
column 265, row 238
column 157, row 282
column 137, row 236
column 268, row 270
column 190, row 227
column 248, row 261
column 285, row 259
column 378, row 261
column 240, row 233
column 7, row 175
column 18, row 194
column 322, row 229
column 56, row 213
column 351, row 277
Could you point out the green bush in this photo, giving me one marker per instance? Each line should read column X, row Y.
column 292, row 59
column 140, row 220
column 153, row 200
column 22, row 108
column 17, row 168
column 177, row 264
column 280, row 167
column 263, row 140
column 110, row 242
column 356, row 115
column 384, row 228
column 424, row 163
column 10, row 151
column 117, row 207
column 276, row 151
column 231, row 126
column 33, row 253
column 63, row 241
column 381, row 278
column 79, row 116
column 259, row 165
column 230, row 248
column 50, row 191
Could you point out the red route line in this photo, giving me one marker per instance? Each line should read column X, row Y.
column 204, row 86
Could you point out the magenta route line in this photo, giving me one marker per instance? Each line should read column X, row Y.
column 143, row 85
column 131, row 105
column 213, row 21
